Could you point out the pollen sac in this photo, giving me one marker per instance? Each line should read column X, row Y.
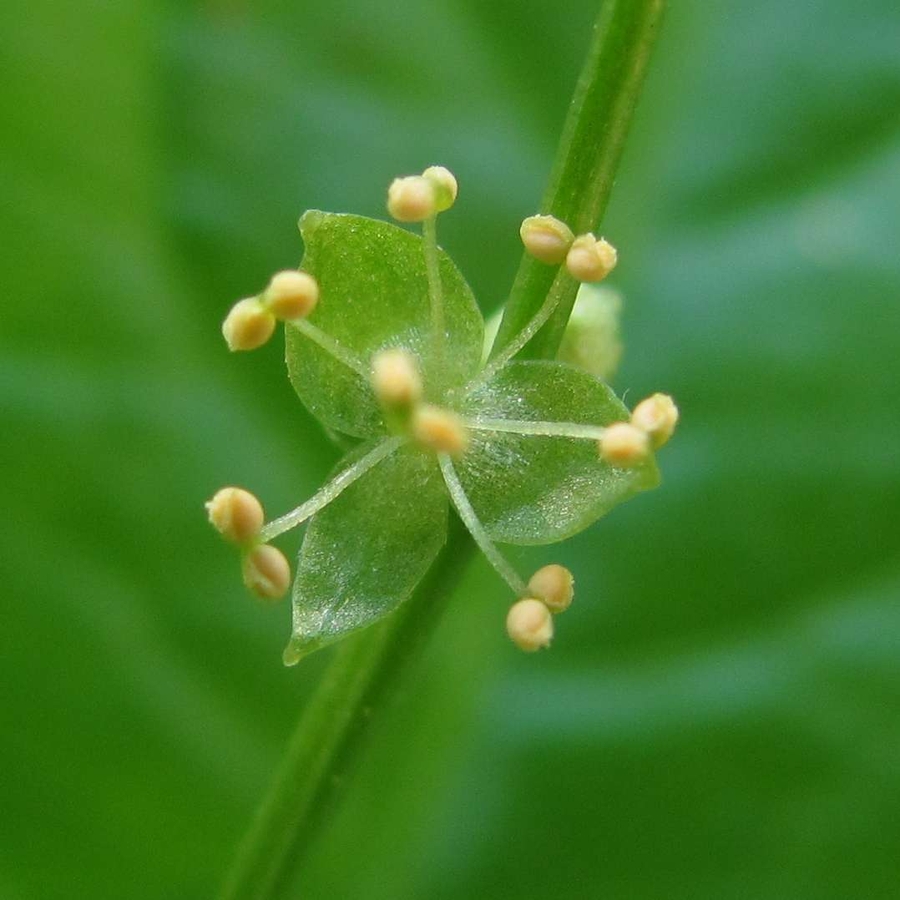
column 267, row 572
column 624, row 445
column 554, row 586
column 657, row 416
column 440, row 430
column 291, row 295
column 589, row 259
column 529, row 625
column 546, row 238
column 412, row 199
column 236, row 514
column 445, row 187
column 248, row 325
column 396, row 379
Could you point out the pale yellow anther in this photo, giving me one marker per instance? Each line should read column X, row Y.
column 445, row 186
column 546, row 238
column 529, row 625
column 248, row 325
column 554, row 586
column 624, row 445
column 590, row 259
column 411, row 199
column 396, row 379
column 440, row 430
column 657, row 416
column 291, row 295
column 267, row 572
column 236, row 514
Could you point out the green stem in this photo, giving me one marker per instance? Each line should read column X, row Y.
column 334, row 727
column 558, row 290
column 367, row 667
column 435, row 288
column 587, row 157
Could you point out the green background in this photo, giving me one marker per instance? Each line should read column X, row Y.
column 720, row 714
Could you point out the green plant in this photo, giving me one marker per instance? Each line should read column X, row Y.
column 391, row 355
column 384, row 346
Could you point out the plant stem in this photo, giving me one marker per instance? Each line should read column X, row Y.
column 587, row 158
column 334, row 727
column 556, row 293
column 435, row 288
column 477, row 530
column 367, row 667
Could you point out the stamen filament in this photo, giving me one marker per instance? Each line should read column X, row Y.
column 476, row 529
column 331, row 346
column 435, row 288
column 331, row 490
column 542, row 429
column 554, row 295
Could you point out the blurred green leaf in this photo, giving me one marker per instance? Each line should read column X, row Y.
column 718, row 717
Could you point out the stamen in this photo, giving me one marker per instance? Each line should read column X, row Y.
column 541, row 429
column 529, row 625
column 435, row 288
column 476, row 529
column 331, row 490
column 557, row 289
column 439, row 430
column 332, row 347
column 396, row 379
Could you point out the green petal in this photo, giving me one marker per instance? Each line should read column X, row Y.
column 365, row 553
column 536, row 489
column 374, row 295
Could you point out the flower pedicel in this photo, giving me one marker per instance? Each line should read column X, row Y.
column 383, row 345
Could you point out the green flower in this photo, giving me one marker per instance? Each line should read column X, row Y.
column 390, row 355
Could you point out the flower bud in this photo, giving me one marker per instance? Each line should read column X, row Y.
column 589, row 259
column 624, row 445
column 554, row 586
column 267, row 572
column 411, row 199
column 529, row 625
column 445, row 187
column 248, row 326
column 592, row 340
column 236, row 514
column 657, row 416
column 396, row 379
column 546, row 238
column 291, row 295
column 440, row 430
